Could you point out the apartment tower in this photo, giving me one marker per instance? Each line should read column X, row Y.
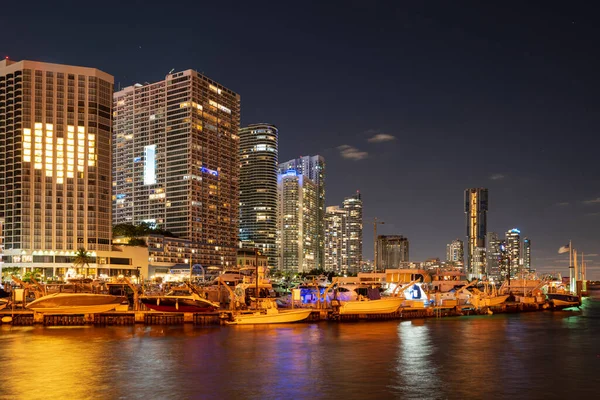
column 55, row 163
column 258, row 189
column 176, row 162
column 392, row 251
column 476, row 207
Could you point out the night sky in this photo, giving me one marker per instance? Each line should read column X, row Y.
column 409, row 102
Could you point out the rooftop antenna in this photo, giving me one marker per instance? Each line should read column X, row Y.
column 171, row 71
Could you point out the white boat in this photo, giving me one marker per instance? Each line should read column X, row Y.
column 271, row 316
column 75, row 303
column 385, row 305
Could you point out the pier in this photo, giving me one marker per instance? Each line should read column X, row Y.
column 123, row 318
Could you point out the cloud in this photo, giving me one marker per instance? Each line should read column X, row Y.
column 381, row 137
column 562, row 204
column 497, row 177
column 591, row 255
column 596, row 214
column 593, row 201
column 352, row 153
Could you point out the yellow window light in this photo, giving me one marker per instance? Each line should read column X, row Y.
column 27, row 152
column 49, row 140
column 80, row 168
column 38, row 139
column 70, row 128
column 60, row 167
column 60, row 174
column 59, row 181
column 38, row 132
column 60, row 160
column 48, row 173
column 80, row 129
column 27, row 131
column 91, row 163
column 70, row 174
column 27, row 158
column 81, row 136
column 80, row 162
column 27, row 139
column 69, row 168
column 49, row 127
column 38, row 166
column 80, row 155
column 27, row 145
column 91, row 136
column 81, row 143
column 60, row 140
column 38, row 125
column 49, row 167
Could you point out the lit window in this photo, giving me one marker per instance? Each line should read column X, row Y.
column 70, row 128
column 27, row 158
column 91, row 136
column 27, row 131
column 70, row 174
column 59, row 181
column 38, row 125
column 80, row 129
column 27, row 145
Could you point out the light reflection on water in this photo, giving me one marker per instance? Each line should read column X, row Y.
column 533, row 355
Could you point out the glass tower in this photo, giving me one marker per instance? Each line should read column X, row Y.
column 476, row 207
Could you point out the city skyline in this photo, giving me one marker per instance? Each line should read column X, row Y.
column 486, row 88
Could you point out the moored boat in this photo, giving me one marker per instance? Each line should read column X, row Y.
column 271, row 316
column 384, row 305
column 178, row 301
column 75, row 303
column 563, row 300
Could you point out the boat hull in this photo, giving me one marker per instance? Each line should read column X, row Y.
column 380, row 306
column 75, row 303
column 177, row 304
column 562, row 300
column 281, row 317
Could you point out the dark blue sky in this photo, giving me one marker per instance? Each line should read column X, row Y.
column 502, row 96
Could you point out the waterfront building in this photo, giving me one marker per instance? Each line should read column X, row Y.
column 312, row 168
column 297, row 222
column 392, row 251
column 251, row 258
column 1, row 246
column 55, row 165
column 336, row 223
column 476, row 207
column 258, row 189
column 513, row 250
column 494, row 256
column 354, row 231
column 176, row 162
column 455, row 253
column 527, row 255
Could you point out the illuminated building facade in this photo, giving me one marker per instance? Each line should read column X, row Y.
column 258, row 189
column 313, row 168
column 336, row 223
column 354, row 207
column 527, row 255
column 513, row 250
column 455, row 253
column 392, row 251
column 55, row 164
column 494, row 257
column 297, row 222
column 176, row 162
column 476, row 207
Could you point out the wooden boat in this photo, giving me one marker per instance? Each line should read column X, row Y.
column 271, row 316
column 385, row 305
column 75, row 303
column 3, row 303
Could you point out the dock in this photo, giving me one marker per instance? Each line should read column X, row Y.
column 125, row 318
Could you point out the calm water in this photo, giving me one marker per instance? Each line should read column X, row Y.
column 531, row 356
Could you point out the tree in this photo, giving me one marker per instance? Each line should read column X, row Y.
column 82, row 259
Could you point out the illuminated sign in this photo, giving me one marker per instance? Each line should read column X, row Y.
column 150, row 165
column 209, row 171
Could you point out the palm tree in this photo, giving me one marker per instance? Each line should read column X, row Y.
column 82, row 259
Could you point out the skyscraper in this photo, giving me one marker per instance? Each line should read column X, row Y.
column 297, row 222
column 513, row 250
column 353, row 206
column 55, row 158
column 176, row 162
column 493, row 256
column 455, row 253
column 343, row 236
column 476, row 207
column 258, row 189
column 392, row 251
column 313, row 168
column 336, row 238
column 527, row 255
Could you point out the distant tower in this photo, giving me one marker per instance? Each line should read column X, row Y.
column 476, row 207
column 455, row 253
column 336, row 223
column 313, row 169
column 392, row 251
column 353, row 206
column 494, row 256
column 258, row 189
column 513, row 249
column 527, row 255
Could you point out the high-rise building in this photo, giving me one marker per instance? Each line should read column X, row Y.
column 513, row 250
column 336, row 238
column 455, row 253
column 343, row 236
column 258, row 189
column 353, row 206
column 297, row 222
column 176, row 162
column 494, row 256
column 476, row 207
column 527, row 255
column 392, row 251
column 55, row 163
column 313, row 168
